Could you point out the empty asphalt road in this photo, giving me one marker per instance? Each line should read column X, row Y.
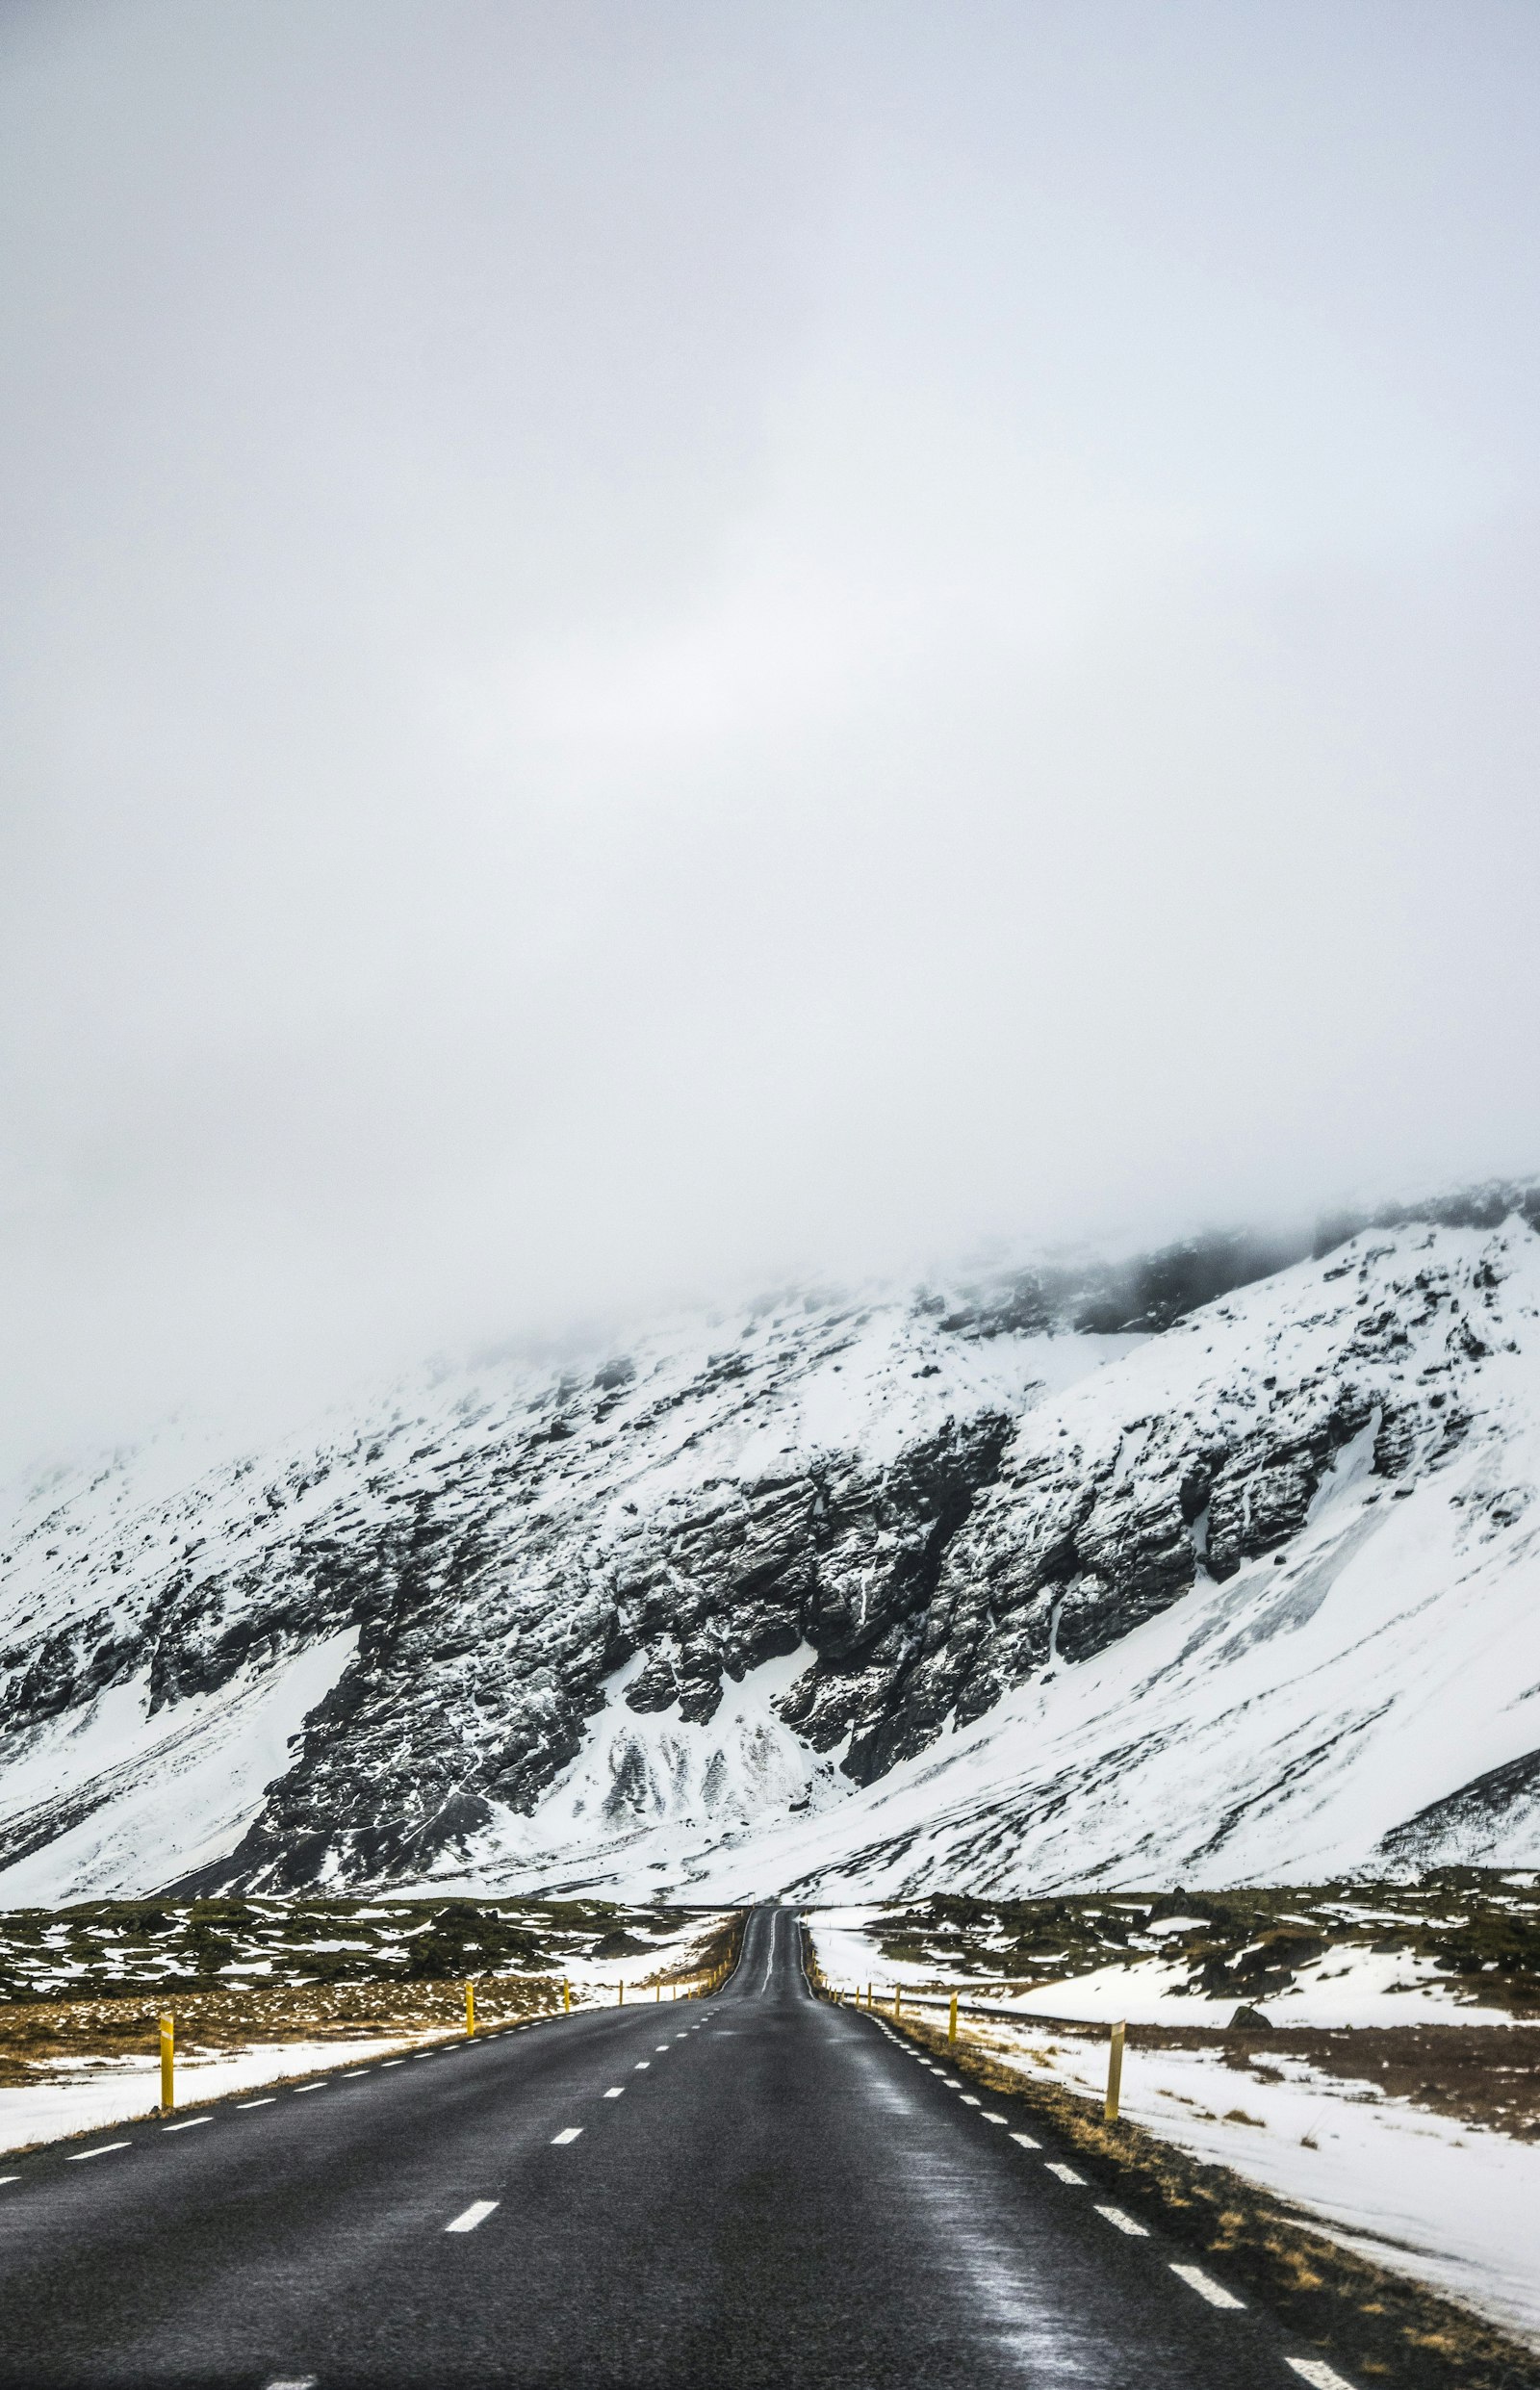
column 756, row 2189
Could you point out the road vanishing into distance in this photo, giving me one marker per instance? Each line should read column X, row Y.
column 755, row 2189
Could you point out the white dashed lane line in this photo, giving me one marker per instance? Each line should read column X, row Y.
column 308, row 2087
column 356, row 2076
column 1206, row 2286
column 9, row 2177
column 187, row 2123
column 102, row 2149
column 469, row 2216
column 1312, row 2370
column 641, row 2066
column 615, row 2090
column 569, row 2132
column 392, row 2062
column 266, row 2102
column 1320, row 2375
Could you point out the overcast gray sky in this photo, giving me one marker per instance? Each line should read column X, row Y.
column 644, row 647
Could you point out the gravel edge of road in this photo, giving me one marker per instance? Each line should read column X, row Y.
column 1383, row 2326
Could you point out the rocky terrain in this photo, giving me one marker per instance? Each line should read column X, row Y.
column 830, row 1588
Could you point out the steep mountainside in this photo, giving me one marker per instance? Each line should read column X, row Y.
column 1060, row 1578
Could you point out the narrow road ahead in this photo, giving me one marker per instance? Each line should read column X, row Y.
column 757, row 2188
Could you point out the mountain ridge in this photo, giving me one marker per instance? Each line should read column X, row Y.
column 720, row 1604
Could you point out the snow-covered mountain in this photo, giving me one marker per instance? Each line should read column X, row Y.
column 1197, row 1568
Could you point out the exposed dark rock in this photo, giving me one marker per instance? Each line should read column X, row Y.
column 499, row 1558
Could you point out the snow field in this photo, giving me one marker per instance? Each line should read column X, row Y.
column 89, row 2101
column 1450, row 2204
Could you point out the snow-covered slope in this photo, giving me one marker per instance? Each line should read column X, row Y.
column 1039, row 1586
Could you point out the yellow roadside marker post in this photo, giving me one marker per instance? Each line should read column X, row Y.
column 167, row 2065
column 951, row 2021
column 620, row 1996
column 659, row 2001
column 566, row 1995
column 897, row 2004
column 469, row 2008
column 868, row 1996
column 1115, row 2073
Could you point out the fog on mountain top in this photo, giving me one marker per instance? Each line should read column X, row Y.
column 649, row 651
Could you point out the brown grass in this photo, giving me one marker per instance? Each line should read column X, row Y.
column 235, row 2017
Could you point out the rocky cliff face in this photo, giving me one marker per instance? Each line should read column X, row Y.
column 737, row 1575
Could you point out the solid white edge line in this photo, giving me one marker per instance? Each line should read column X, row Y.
column 469, row 2216
column 1320, row 2375
column 1125, row 2221
column 1206, row 2287
column 73, row 2157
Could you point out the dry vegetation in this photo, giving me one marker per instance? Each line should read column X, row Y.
column 234, row 1973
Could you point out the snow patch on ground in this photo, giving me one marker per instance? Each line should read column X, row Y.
column 89, row 2103
column 1347, row 1987
column 1451, row 2204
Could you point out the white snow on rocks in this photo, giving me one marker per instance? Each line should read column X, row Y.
column 1359, row 1637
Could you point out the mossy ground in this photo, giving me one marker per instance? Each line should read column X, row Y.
column 1478, row 1928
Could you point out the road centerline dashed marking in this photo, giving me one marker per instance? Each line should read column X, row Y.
column 187, row 2123
column 991, row 2115
column 641, row 2066
column 616, row 2090
column 268, row 2100
column 308, row 2087
column 392, row 2062
column 469, row 2216
column 102, row 2149
column 1317, row 2372
column 568, row 2132
column 1206, row 2287
column 967, row 2100
column 1125, row 2222
column 356, row 2076
column 1066, row 2173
